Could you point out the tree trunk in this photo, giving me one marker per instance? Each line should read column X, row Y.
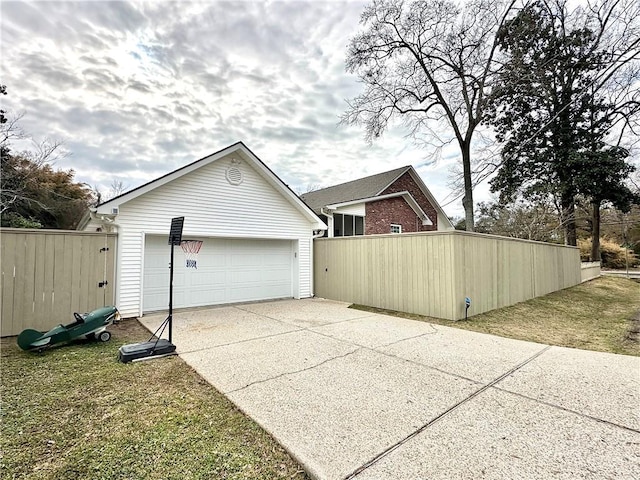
column 569, row 219
column 595, row 232
column 467, row 200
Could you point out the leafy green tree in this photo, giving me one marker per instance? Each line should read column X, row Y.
column 603, row 180
column 431, row 65
column 564, row 88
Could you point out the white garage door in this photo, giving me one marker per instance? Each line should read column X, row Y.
column 228, row 270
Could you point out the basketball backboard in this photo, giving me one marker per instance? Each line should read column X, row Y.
column 175, row 234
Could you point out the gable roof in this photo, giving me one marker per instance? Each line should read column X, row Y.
column 362, row 188
column 407, row 198
column 366, row 188
column 238, row 148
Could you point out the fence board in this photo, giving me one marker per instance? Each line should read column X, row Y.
column 76, row 274
column 56, row 273
column 88, row 269
column 23, row 306
column 589, row 270
column 62, row 277
column 49, row 274
column 8, row 245
column 38, row 280
column 431, row 273
column 110, row 274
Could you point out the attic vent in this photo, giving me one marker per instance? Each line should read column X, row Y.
column 234, row 175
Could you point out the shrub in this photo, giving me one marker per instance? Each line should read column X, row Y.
column 612, row 255
column 14, row 220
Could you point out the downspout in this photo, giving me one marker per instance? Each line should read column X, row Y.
column 329, row 224
column 107, row 221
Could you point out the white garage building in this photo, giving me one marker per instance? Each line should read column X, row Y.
column 257, row 236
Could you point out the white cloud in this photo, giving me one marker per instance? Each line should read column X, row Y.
column 137, row 90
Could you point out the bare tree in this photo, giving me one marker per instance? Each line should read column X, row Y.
column 117, row 188
column 10, row 130
column 532, row 220
column 21, row 172
column 309, row 187
column 430, row 63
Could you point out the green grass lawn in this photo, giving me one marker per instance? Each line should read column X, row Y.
column 74, row 412
column 596, row 315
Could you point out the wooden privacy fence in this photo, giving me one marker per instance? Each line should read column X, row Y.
column 432, row 273
column 49, row 274
column 590, row 270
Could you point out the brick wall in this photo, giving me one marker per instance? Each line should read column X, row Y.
column 382, row 213
column 407, row 183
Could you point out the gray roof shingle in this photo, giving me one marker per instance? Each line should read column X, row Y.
column 354, row 190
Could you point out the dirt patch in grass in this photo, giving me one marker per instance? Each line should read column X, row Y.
column 600, row 315
column 75, row 412
column 633, row 332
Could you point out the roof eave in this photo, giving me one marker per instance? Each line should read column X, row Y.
column 164, row 179
column 247, row 155
column 405, row 170
column 411, row 201
column 430, row 197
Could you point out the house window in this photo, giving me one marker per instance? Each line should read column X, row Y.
column 396, row 228
column 345, row 225
column 348, row 225
column 359, row 225
column 337, row 225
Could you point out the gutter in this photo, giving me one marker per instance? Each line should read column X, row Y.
column 107, row 221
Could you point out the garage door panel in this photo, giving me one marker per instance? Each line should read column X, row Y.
column 239, row 277
column 276, row 258
column 257, row 292
column 217, row 260
column 155, row 279
column 275, row 262
column 206, row 296
column 179, row 298
column 157, row 260
column 160, row 279
column 245, row 260
column 161, row 299
column 209, row 277
column 228, row 270
column 280, row 276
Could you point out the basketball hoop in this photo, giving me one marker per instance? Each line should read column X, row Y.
column 191, row 249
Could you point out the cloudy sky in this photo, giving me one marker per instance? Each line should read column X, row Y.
column 137, row 90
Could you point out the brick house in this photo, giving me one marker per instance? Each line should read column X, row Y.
column 396, row 201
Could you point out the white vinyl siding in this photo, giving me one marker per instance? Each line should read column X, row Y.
column 305, row 273
column 358, row 209
column 214, row 208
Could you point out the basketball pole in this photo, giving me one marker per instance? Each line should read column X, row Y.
column 160, row 347
column 170, row 318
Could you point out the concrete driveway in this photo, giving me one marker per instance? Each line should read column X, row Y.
column 352, row 394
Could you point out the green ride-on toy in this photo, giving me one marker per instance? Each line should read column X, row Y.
column 91, row 325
